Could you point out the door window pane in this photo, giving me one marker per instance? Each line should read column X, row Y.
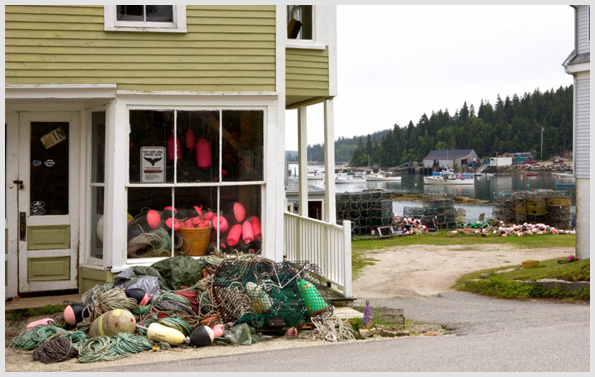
column 242, row 146
column 49, row 168
column 152, row 129
column 97, row 147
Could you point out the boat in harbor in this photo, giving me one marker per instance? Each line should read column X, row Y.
column 448, row 177
column 381, row 176
column 348, row 178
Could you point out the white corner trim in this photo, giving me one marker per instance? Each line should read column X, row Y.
column 574, row 68
column 29, row 91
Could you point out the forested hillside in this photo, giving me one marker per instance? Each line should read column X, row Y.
column 511, row 125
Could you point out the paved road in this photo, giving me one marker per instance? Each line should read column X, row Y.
column 489, row 335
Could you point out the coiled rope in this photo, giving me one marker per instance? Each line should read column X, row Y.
column 33, row 337
column 176, row 323
column 103, row 348
column 113, row 299
column 59, row 347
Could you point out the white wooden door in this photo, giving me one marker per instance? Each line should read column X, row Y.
column 48, row 200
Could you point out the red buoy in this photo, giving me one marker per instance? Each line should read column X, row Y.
column 153, row 218
column 247, row 232
column 234, row 235
column 203, row 153
column 220, row 223
column 239, row 212
column 170, row 148
column 190, row 139
column 175, row 225
column 256, row 227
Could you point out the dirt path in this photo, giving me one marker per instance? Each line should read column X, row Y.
column 426, row 270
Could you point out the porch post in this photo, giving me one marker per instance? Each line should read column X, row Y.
column 303, row 161
column 330, row 213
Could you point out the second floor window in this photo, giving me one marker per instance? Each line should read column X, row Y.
column 299, row 22
column 152, row 18
column 145, row 13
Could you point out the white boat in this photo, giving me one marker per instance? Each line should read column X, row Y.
column 448, row 177
column 563, row 175
column 381, row 176
column 348, row 178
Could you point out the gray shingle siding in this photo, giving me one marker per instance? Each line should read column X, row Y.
column 583, row 133
column 583, row 29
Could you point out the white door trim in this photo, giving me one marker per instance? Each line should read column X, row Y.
column 74, row 119
column 11, row 197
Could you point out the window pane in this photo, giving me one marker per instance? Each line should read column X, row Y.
column 97, row 147
column 152, row 129
column 241, row 208
column 49, row 168
column 195, row 209
column 149, row 232
column 242, row 146
column 159, row 13
column 129, row 13
column 97, row 224
column 199, row 135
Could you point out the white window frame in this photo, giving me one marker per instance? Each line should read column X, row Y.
column 218, row 185
column 315, row 43
column 178, row 25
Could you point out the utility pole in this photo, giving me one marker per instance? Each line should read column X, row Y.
column 541, row 152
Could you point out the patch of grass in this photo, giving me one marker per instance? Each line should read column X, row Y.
column 18, row 315
column 358, row 262
column 511, row 284
column 446, row 238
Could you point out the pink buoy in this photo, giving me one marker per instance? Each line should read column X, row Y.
column 234, row 235
column 190, row 139
column 171, row 149
column 239, row 212
column 203, row 153
column 198, row 210
column 220, row 223
column 44, row 321
column 175, row 225
column 247, row 232
column 153, row 219
column 209, row 216
column 256, row 227
column 218, row 330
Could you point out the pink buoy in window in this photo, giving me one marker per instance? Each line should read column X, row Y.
column 153, row 218
column 247, row 232
column 171, row 149
column 234, row 235
column 220, row 223
column 190, row 140
column 239, row 212
column 256, row 227
column 203, row 153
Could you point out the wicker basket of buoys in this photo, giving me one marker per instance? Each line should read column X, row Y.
column 198, row 239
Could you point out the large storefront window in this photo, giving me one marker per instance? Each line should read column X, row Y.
column 180, row 200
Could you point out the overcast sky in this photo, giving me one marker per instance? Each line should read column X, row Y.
column 396, row 62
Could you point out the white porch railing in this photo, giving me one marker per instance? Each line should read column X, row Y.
column 326, row 245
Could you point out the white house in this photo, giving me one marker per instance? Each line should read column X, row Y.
column 577, row 64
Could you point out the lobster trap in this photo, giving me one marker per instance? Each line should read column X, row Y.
column 268, row 295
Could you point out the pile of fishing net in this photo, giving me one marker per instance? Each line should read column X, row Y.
column 182, row 301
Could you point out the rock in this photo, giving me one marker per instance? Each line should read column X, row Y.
column 391, row 332
column 485, row 275
column 365, row 333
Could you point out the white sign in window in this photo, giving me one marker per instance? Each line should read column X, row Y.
column 152, row 164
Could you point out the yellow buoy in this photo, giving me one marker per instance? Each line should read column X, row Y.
column 159, row 333
column 113, row 322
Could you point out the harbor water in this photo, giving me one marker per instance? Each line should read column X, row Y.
column 483, row 189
